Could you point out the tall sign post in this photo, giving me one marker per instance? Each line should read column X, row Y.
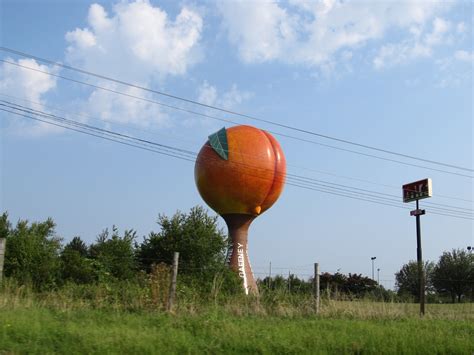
column 416, row 191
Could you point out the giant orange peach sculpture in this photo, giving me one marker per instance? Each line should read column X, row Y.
column 240, row 173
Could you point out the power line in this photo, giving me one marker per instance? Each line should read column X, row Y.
column 288, row 164
column 374, row 200
column 139, row 144
column 322, row 182
column 296, row 178
column 162, row 93
column 233, row 122
column 370, row 155
column 98, row 136
column 99, row 120
column 376, row 195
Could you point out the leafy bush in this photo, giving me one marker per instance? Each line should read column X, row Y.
column 32, row 252
column 201, row 245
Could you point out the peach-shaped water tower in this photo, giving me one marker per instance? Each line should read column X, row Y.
column 240, row 173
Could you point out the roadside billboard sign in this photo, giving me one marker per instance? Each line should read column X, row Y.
column 417, row 190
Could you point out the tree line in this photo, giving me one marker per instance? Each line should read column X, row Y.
column 452, row 277
column 35, row 255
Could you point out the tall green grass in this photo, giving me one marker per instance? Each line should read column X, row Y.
column 42, row 330
column 124, row 317
column 152, row 295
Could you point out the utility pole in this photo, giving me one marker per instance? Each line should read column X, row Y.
column 378, row 276
column 316, row 287
column 3, row 242
column 174, row 276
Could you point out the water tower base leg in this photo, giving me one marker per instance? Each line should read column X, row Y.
column 238, row 225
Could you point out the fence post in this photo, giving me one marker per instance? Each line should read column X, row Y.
column 174, row 275
column 316, row 287
column 289, row 282
column 3, row 242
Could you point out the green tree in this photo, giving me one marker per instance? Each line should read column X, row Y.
column 32, row 252
column 4, row 225
column 407, row 280
column 454, row 274
column 359, row 285
column 114, row 255
column 201, row 244
column 75, row 264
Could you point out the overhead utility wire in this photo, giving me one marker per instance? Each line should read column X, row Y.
column 298, row 178
column 122, row 135
column 180, row 157
column 375, row 201
column 98, row 135
column 162, row 93
column 194, row 141
column 230, row 121
column 376, row 192
column 82, row 116
column 378, row 198
column 376, row 195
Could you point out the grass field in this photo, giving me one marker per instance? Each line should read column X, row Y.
column 60, row 322
column 44, row 330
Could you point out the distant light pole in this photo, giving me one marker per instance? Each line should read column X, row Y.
column 373, row 258
column 469, row 249
column 378, row 276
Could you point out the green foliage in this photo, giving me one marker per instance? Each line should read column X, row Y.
column 454, row 274
column 34, row 257
column 32, row 251
column 351, row 286
column 201, row 245
column 75, row 264
column 4, row 225
column 114, row 256
column 291, row 284
column 356, row 284
column 407, row 279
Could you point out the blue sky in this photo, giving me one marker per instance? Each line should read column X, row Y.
column 391, row 74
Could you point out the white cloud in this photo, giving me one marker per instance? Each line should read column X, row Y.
column 82, row 38
column 111, row 107
column 26, row 83
column 209, row 95
column 29, row 85
column 455, row 70
column 261, row 30
column 461, row 28
column 138, row 43
column 312, row 33
column 419, row 45
column 464, row 56
column 438, row 35
column 233, row 98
